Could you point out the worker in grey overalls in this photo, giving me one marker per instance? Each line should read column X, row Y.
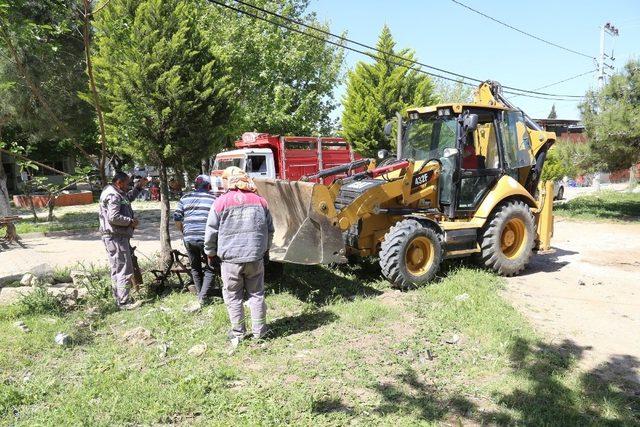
column 117, row 223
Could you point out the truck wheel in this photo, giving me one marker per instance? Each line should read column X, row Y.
column 410, row 254
column 508, row 239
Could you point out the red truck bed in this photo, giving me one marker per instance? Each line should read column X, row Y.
column 297, row 156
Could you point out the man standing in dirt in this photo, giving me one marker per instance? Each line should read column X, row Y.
column 191, row 217
column 117, row 224
column 239, row 232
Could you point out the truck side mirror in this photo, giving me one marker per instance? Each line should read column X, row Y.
column 470, row 123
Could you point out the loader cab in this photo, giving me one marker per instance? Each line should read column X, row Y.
column 475, row 147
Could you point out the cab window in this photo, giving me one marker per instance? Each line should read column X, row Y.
column 256, row 164
column 515, row 137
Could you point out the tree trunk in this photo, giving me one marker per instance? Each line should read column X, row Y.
column 4, row 193
column 51, row 204
column 96, row 99
column 33, row 207
column 632, row 177
column 5, row 207
column 165, row 237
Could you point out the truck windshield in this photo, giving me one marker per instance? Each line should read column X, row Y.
column 426, row 138
column 223, row 163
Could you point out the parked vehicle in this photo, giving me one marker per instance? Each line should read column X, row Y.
column 558, row 190
column 263, row 155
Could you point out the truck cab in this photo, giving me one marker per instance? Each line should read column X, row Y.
column 257, row 162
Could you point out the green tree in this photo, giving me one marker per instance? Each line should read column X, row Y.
column 284, row 80
column 447, row 91
column 41, row 71
column 165, row 91
column 552, row 113
column 375, row 91
column 611, row 116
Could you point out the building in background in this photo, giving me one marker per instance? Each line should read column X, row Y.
column 572, row 130
column 12, row 169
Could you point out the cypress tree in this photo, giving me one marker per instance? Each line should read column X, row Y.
column 375, row 91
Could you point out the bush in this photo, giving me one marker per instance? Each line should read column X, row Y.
column 40, row 302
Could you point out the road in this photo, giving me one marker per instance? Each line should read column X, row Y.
column 42, row 254
column 588, row 292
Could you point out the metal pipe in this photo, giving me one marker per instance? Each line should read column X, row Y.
column 338, row 169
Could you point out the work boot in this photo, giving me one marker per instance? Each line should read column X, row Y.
column 234, row 340
column 130, row 305
column 265, row 335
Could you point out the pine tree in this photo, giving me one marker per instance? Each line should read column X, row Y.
column 376, row 91
column 166, row 93
column 552, row 113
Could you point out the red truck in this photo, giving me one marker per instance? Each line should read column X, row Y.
column 286, row 157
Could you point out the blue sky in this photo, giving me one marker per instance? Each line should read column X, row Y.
column 446, row 35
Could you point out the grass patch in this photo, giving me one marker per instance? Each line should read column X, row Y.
column 604, row 205
column 62, row 222
column 346, row 349
column 69, row 218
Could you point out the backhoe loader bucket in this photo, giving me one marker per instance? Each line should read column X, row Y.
column 302, row 234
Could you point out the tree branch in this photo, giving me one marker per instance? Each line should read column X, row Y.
column 35, row 91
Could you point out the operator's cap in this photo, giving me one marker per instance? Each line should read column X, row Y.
column 202, row 182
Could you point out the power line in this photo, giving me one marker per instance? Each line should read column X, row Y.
column 565, row 80
column 346, row 40
column 523, row 32
column 244, row 12
column 561, row 81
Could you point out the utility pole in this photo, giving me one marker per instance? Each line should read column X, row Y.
column 607, row 28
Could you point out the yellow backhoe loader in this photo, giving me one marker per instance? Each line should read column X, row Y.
column 465, row 183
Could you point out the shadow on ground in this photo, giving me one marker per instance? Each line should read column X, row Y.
column 301, row 323
column 323, row 285
column 547, row 262
column 541, row 399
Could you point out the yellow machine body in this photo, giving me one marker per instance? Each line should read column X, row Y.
column 314, row 224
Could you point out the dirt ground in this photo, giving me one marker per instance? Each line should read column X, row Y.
column 41, row 254
column 588, row 292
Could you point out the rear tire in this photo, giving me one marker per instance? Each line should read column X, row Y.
column 560, row 193
column 410, row 254
column 508, row 239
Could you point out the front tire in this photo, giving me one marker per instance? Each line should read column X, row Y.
column 508, row 239
column 410, row 254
